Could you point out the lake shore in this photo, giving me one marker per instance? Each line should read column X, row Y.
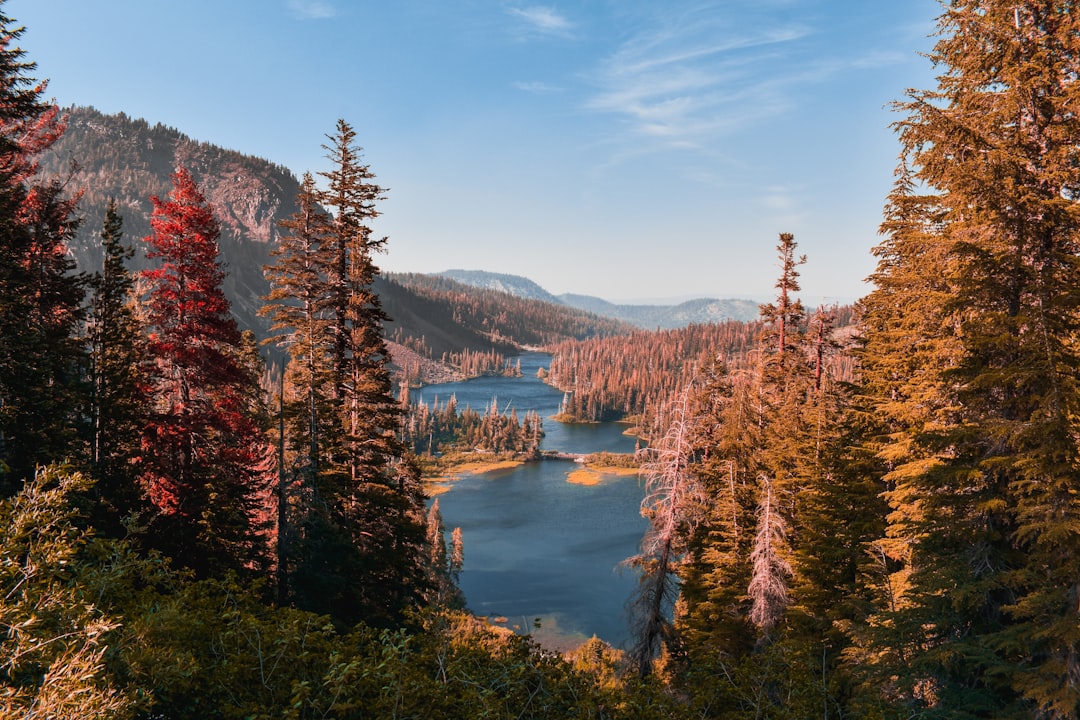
column 591, row 472
column 594, row 475
column 444, row 480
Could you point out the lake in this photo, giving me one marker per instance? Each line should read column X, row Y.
column 537, row 546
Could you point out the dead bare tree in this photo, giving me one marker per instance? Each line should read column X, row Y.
column 768, row 589
column 671, row 504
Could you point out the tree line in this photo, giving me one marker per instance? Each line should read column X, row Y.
column 634, row 375
column 433, row 429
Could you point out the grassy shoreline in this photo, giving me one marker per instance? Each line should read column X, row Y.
column 595, row 474
column 440, row 477
column 444, row 476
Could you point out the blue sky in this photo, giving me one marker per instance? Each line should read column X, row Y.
column 631, row 149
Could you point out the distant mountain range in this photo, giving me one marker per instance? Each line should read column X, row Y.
column 649, row 317
column 515, row 285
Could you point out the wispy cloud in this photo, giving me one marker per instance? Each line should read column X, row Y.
column 695, row 71
column 542, row 20
column 693, row 78
column 537, row 88
column 312, row 9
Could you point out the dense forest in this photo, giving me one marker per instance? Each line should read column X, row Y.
column 633, row 375
column 878, row 522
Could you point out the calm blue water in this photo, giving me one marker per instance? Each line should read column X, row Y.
column 537, row 546
column 530, row 393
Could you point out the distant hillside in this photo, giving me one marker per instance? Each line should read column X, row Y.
column 504, row 317
column 667, row 317
column 430, row 320
column 649, row 317
column 510, row 284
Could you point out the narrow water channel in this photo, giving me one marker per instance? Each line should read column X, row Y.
column 539, row 549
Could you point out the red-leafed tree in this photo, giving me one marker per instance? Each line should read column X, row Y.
column 204, row 456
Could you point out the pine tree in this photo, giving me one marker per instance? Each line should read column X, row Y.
column 351, row 197
column 971, row 355
column 301, row 320
column 444, row 563
column 362, row 551
column 768, row 589
column 786, row 315
column 203, row 461
column 40, row 297
column 116, row 399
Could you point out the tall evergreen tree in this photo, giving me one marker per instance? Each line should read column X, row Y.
column 361, row 551
column 203, row 461
column 298, row 305
column 116, row 400
column 40, row 296
column 382, row 508
column 971, row 355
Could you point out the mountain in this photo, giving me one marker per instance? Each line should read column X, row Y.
column 510, row 284
column 667, row 317
column 128, row 159
column 649, row 317
column 421, row 316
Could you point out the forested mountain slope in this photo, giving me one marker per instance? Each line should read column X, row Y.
column 103, row 156
column 509, row 318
